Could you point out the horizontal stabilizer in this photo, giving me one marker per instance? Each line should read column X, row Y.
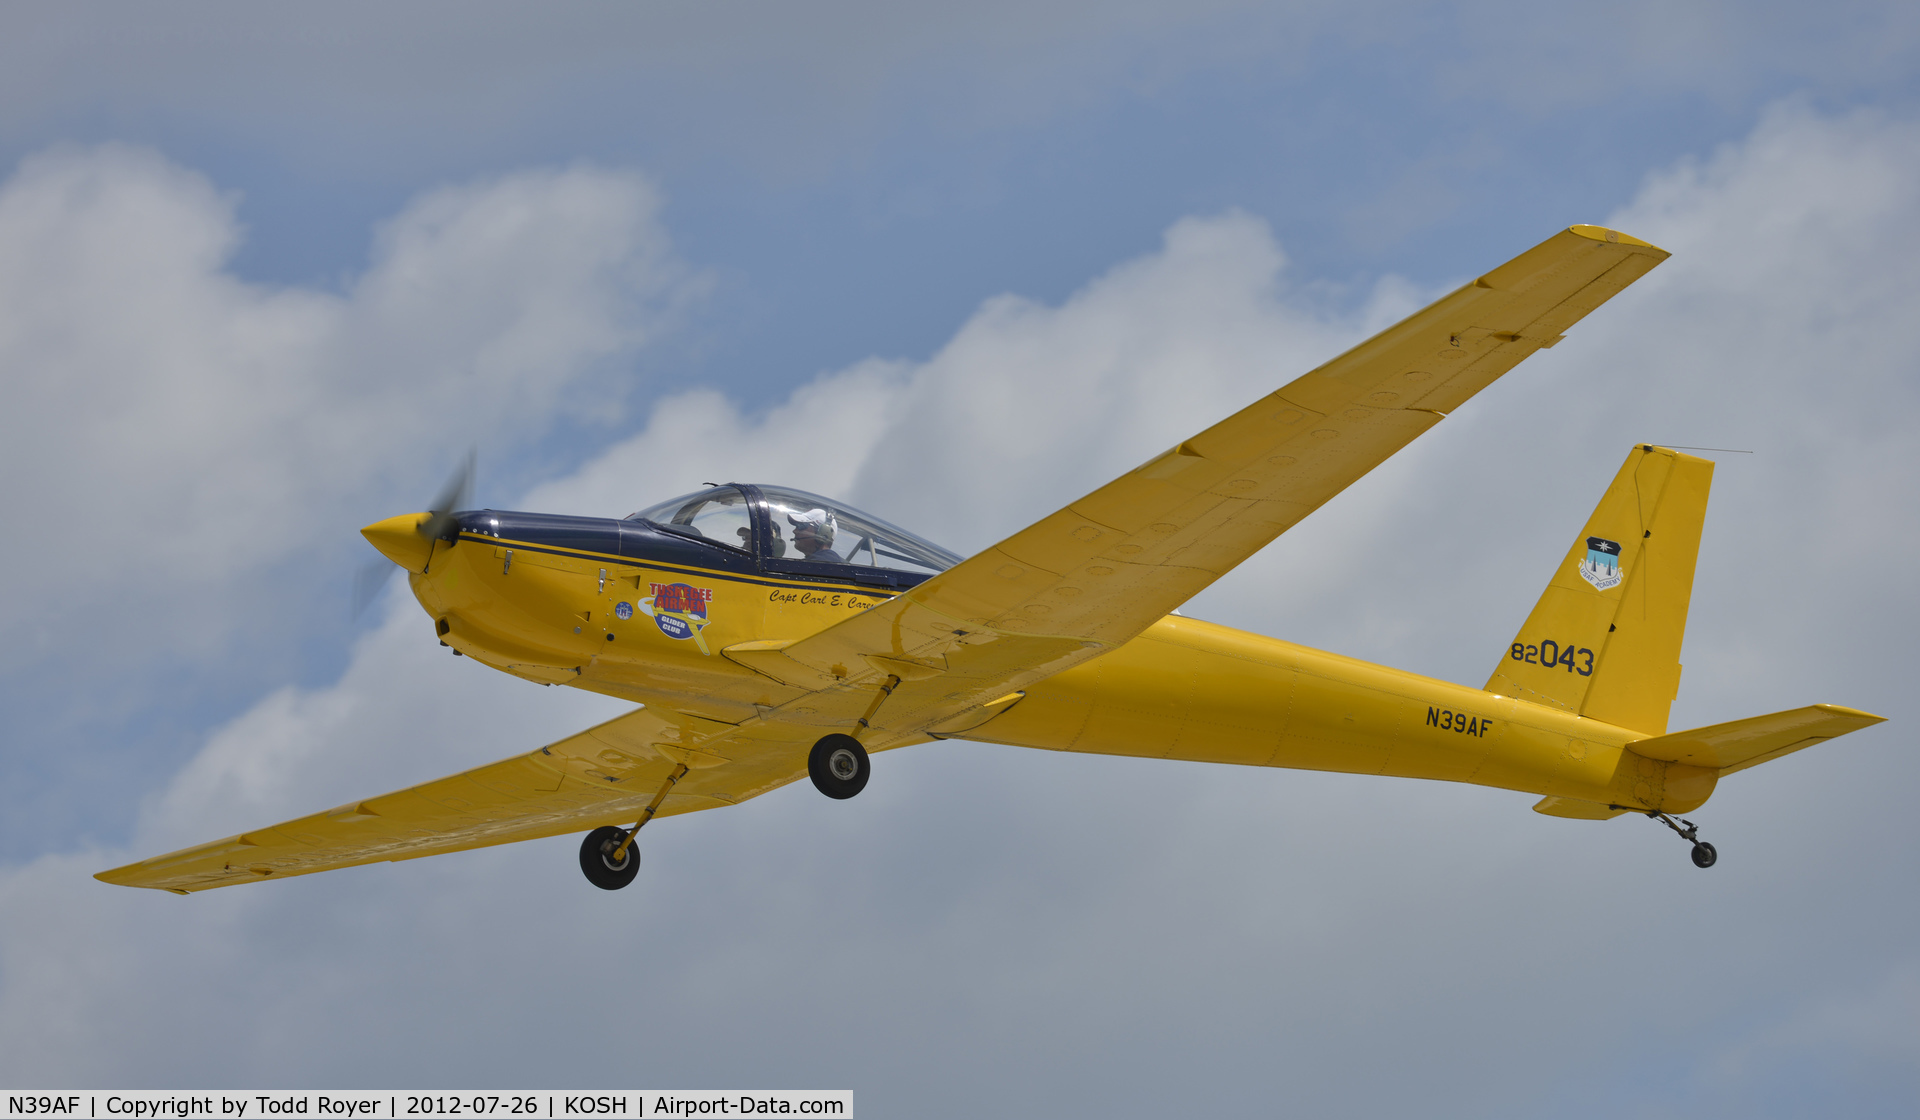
column 1728, row 747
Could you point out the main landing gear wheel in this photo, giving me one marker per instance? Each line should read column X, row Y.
column 596, row 858
column 1704, row 855
column 838, row 766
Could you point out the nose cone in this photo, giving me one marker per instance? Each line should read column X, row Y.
column 399, row 540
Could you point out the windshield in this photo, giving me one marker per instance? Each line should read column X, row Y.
column 720, row 515
column 808, row 527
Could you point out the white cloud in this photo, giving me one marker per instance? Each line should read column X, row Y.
column 816, row 439
column 233, row 429
column 1120, row 937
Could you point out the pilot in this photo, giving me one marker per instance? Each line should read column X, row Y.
column 813, row 536
column 778, row 546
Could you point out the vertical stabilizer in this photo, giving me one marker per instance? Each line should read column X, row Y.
column 1604, row 640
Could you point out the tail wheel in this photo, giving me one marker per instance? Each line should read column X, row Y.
column 598, row 863
column 838, row 766
column 1703, row 853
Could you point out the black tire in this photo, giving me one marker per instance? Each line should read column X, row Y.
column 1704, row 855
column 596, row 858
column 838, row 766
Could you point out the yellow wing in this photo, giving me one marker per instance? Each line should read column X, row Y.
column 1100, row 571
column 604, row 775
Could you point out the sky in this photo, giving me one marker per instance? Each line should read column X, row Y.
column 265, row 280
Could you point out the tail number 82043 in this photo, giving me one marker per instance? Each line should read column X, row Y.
column 1550, row 652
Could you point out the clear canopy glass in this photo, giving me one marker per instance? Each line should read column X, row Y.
column 806, row 528
column 720, row 515
column 822, row 531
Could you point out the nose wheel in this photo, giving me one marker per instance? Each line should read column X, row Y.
column 838, row 766
column 607, row 859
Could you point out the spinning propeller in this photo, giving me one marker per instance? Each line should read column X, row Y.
column 407, row 540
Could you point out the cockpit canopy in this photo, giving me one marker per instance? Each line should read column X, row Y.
column 793, row 530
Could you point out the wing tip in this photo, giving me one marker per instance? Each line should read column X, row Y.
column 117, row 877
column 1576, row 243
column 130, row 876
column 1614, row 236
column 1868, row 718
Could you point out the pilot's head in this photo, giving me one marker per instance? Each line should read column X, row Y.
column 812, row 530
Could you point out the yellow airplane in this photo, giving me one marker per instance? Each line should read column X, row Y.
column 768, row 633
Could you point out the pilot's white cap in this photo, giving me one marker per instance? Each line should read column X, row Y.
column 816, row 517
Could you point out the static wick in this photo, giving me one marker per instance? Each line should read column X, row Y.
column 1679, row 447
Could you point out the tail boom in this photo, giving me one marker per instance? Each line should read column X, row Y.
column 1197, row 691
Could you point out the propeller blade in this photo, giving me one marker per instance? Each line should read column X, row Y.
column 453, row 498
column 368, row 582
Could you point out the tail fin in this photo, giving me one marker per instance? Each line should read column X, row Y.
column 1604, row 640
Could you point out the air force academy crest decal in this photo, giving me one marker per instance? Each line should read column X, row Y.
column 1601, row 568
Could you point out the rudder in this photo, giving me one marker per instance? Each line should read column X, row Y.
column 1604, row 639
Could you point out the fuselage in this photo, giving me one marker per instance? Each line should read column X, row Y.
column 636, row 610
column 1198, row 691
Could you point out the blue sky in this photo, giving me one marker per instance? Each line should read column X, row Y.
column 263, row 281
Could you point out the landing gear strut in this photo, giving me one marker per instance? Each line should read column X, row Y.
column 608, row 856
